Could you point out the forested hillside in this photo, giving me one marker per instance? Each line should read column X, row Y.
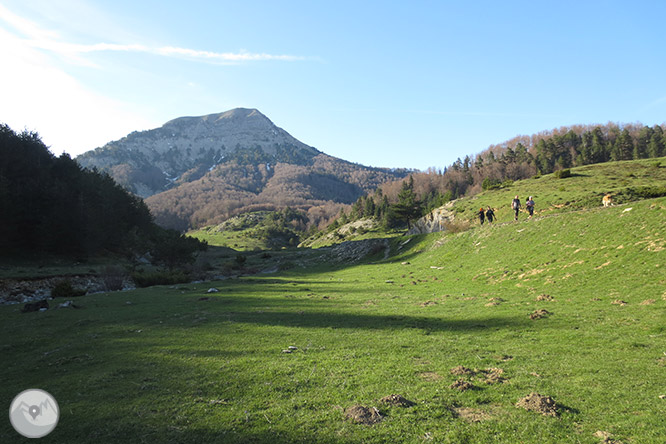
column 519, row 158
column 198, row 171
column 51, row 205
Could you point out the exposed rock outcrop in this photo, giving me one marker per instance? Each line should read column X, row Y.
column 434, row 221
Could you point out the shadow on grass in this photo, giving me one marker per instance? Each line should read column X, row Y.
column 321, row 319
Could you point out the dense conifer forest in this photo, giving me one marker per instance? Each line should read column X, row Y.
column 51, row 205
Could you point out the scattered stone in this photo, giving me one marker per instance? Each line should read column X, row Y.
column 538, row 403
column 470, row 414
column 128, row 303
column 213, row 290
column 363, row 415
column 461, row 370
column 397, row 400
column 539, row 314
column 627, row 209
column 662, row 396
column 535, row 374
column 619, row 302
column 388, row 281
column 404, row 263
column 462, row 385
column 287, row 351
column 35, row 306
column 68, row 304
column 292, row 347
column 544, row 297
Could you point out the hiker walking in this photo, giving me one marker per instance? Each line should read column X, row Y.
column 490, row 215
column 515, row 205
column 530, row 206
column 482, row 215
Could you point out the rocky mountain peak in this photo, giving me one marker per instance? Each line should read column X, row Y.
column 149, row 162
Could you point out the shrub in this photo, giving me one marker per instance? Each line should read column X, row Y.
column 562, row 174
column 113, row 277
column 490, row 184
column 64, row 289
column 148, row 279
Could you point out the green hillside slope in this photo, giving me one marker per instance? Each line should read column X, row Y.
column 626, row 181
column 179, row 364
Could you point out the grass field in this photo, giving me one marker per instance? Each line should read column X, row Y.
column 178, row 364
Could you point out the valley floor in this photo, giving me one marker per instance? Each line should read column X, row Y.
column 463, row 325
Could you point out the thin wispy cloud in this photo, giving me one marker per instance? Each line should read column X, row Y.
column 39, row 38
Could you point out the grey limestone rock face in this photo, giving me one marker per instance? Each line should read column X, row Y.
column 149, row 162
column 434, row 221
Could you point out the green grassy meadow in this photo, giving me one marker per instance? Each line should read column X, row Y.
column 176, row 364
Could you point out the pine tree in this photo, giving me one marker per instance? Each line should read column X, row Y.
column 408, row 207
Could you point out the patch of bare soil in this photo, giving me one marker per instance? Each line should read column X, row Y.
column 471, row 415
column 461, row 370
column 544, row 297
column 462, row 385
column 428, row 303
column 619, row 302
column 430, row 376
column 606, row 437
column 538, row 403
column 539, row 314
column 648, row 302
column 397, row 400
column 363, row 415
column 494, row 375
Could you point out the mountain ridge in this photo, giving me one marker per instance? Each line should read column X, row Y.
column 197, row 170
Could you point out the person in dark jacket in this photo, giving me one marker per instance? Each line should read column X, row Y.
column 490, row 215
column 482, row 215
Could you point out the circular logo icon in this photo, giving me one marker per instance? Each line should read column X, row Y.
column 34, row 413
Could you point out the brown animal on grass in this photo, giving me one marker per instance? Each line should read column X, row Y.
column 607, row 200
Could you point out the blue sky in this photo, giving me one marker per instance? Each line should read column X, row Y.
column 396, row 84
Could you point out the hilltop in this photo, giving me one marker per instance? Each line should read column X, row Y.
column 197, row 171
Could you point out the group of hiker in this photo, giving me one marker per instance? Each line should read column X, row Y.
column 489, row 214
